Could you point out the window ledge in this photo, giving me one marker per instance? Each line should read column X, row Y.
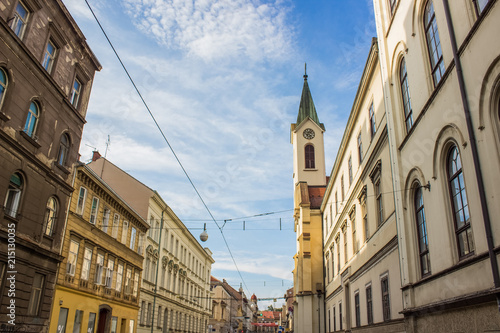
column 32, row 141
column 310, row 169
column 4, row 117
column 62, row 168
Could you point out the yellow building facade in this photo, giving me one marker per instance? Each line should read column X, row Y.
column 98, row 282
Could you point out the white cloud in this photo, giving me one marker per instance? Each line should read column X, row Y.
column 223, row 29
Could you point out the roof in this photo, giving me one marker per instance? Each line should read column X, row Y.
column 316, row 194
column 307, row 110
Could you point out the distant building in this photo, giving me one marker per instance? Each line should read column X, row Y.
column 46, row 74
column 98, row 282
column 231, row 311
column 175, row 288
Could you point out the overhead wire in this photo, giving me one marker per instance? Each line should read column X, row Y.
column 166, row 140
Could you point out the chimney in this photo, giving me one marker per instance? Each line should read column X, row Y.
column 95, row 155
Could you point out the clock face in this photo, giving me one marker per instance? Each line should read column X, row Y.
column 308, row 133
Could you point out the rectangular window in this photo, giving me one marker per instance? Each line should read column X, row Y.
column 124, row 232
column 131, row 327
column 136, row 284
column 114, row 324
column 94, row 210
column 119, row 277
column 336, row 203
column 72, row 258
column 149, row 315
column 132, row 238
column 75, row 93
column 143, row 313
column 128, row 282
column 158, row 318
column 373, row 125
column 36, row 294
column 369, row 305
column 333, row 261
column 360, row 149
column 105, row 219
column 20, row 20
column 157, row 231
column 350, row 170
column 334, row 320
column 61, row 322
column 87, row 260
column 77, row 325
column 91, row 325
column 99, row 268
column 327, row 260
column 338, row 255
column 49, row 56
column 340, row 315
column 380, row 207
column 81, row 200
column 342, row 187
column 352, row 217
column 116, row 225
column 386, row 305
column 109, row 273
column 357, row 309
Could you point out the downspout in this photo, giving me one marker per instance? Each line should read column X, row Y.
column 324, row 278
column 475, row 156
column 156, row 278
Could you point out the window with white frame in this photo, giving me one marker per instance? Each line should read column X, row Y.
column 132, row 238
column 94, row 210
column 80, row 205
column 99, row 268
column 3, row 85
column 49, row 56
column 20, row 19
column 75, row 93
column 109, row 273
column 105, row 219
column 32, row 120
column 124, row 232
column 119, row 277
column 128, row 281
column 373, row 124
column 72, row 257
column 87, row 261
column 116, row 225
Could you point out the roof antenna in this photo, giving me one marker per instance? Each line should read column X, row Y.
column 305, row 71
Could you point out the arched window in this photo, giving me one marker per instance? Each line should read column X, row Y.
column 50, row 216
column 459, row 202
column 405, row 95
column 423, row 241
column 3, row 85
column 13, row 196
column 63, row 149
column 32, row 119
column 309, row 157
column 433, row 43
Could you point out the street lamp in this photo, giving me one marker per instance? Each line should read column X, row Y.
column 204, row 235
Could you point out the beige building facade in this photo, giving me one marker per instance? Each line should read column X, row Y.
column 175, row 289
column 440, row 69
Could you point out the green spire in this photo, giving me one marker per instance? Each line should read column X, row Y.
column 306, row 108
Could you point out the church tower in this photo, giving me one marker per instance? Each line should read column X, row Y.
column 307, row 141
column 309, row 188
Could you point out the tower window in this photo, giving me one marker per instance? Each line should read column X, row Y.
column 309, row 157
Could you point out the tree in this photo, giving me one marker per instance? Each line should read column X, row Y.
column 270, row 308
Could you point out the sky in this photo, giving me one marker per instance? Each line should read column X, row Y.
column 223, row 80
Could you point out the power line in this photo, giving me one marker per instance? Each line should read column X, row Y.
column 166, row 140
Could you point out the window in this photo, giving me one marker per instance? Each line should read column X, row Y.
column 156, row 231
column 148, row 322
column 386, row 305
column 20, row 19
column 116, row 225
column 99, row 268
column 357, row 309
column 423, row 242
column 3, row 85
column 342, row 187
column 346, row 257
column 119, row 277
column 105, row 219
column 433, row 43
column 369, row 304
column 349, row 164
column 72, row 258
column 61, row 322
column 352, row 217
column 336, row 203
column 50, row 216
column 373, row 125
column 405, row 95
column 75, row 93
column 136, row 284
column 132, row 238
column 128, row 277
column 338, row 254
column 32, row 120
column 109, row 273
column 36, row 294
column 124, row 232
column 480, row 5
column 334, row 320
column 131, row 326
column 91, row 324
column 340, row 315
column 333, row 261
column 309, row 155
column 360, row 149
column 77, row 325
column 49, row 56
column 94, row 210
column 82, row 194
column 380, row 206
column 114, row 324
column 460, row 205
column 63, row 149
column 140, row 245
column 87, row 261
column 143, row 313
column 327, row 259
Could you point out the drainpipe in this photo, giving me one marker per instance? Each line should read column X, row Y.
column 475, row 157
column 156, row 278
column 325, row 279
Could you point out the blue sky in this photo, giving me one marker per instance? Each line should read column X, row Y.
column 223, row 79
